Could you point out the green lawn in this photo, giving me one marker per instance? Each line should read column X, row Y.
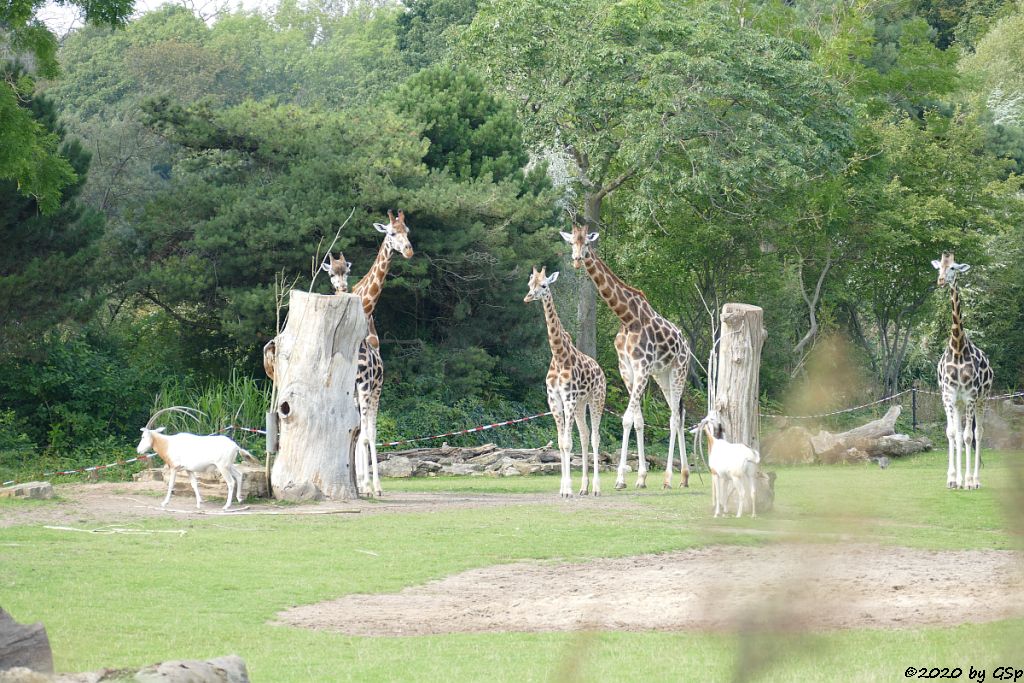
column 121, row 600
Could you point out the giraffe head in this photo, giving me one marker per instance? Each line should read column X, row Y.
column 582, row 243
column 949, row 269
column 397, row 234
column 539, row 286
column 338, row 269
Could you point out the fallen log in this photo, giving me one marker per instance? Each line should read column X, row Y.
column 872, row 440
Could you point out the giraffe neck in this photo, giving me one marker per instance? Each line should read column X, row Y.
column 558, row 338
column 612, row 289
column 957, row 337
column 372, row 284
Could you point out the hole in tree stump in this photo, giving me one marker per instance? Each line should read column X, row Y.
column 285, row 409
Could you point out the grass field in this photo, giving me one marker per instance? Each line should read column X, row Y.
column 122, row 600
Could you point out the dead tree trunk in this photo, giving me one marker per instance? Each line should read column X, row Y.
column 739, row 364
column 313, row 365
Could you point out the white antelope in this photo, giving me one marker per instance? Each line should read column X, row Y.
column 730, row 463
column 195, row 453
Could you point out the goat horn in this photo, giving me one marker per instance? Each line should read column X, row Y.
column 190, row 412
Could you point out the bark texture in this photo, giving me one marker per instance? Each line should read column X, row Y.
column 739, row 364
column 313, row 364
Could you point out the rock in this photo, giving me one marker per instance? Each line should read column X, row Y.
column 484, row 459
column 461, row 468
column 397, row 466
column 426, row 468
column 39, row 490
column 526, row 468
column 883, row 462
column 230, row 669
column 510, row 471
column 790, row 446
column 24, row 645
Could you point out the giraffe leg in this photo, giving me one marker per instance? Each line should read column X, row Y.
column 565, row 445
column 371, row 445
column 596, row 408
column 684, row 463
column 555, row 406
column 581, row 427
column 979, row 418
column 664, row 383
column 638, row 424
column 363, row 454
column 969, row 445
column 958, row 440
column 951, row 420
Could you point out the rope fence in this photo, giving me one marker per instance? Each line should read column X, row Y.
column 918, row 410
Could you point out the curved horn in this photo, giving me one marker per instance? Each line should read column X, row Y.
column 177, row 409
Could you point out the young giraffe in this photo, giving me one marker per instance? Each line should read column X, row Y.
column 370, row 369
column 648, row 346
column 574, row 382
column 338, row 269
column 964, row 376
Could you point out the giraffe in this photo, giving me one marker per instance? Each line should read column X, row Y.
column 574, row 382
column 338, row 269
column 370, row 368
column 648, row 346
column 965, row 375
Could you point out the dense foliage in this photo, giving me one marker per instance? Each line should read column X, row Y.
column 811, row 158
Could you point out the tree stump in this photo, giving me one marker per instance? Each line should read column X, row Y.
column 739, row 364
column 313, row 365
column 24, row 646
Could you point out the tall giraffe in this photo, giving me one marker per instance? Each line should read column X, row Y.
column 574, row 382
column 370, row 369
column 648, row 346
column 965, row 375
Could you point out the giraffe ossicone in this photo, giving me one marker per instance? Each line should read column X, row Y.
column 575, row 383
column 965, row 378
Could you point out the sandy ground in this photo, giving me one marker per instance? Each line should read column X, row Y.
column 123, row 502
column 799, row 588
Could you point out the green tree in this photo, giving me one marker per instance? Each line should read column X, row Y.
column 46, row 265
column 29, row 153
column 695, row 112
column 468, row 128
column 427, row 28
column 923, row 189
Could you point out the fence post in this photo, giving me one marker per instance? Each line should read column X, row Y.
column 913, row 406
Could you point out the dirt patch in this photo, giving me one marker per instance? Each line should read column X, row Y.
column 109, row 502
column 723, row 588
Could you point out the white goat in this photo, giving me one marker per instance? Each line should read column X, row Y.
column 730, row 463
column 195, row 453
